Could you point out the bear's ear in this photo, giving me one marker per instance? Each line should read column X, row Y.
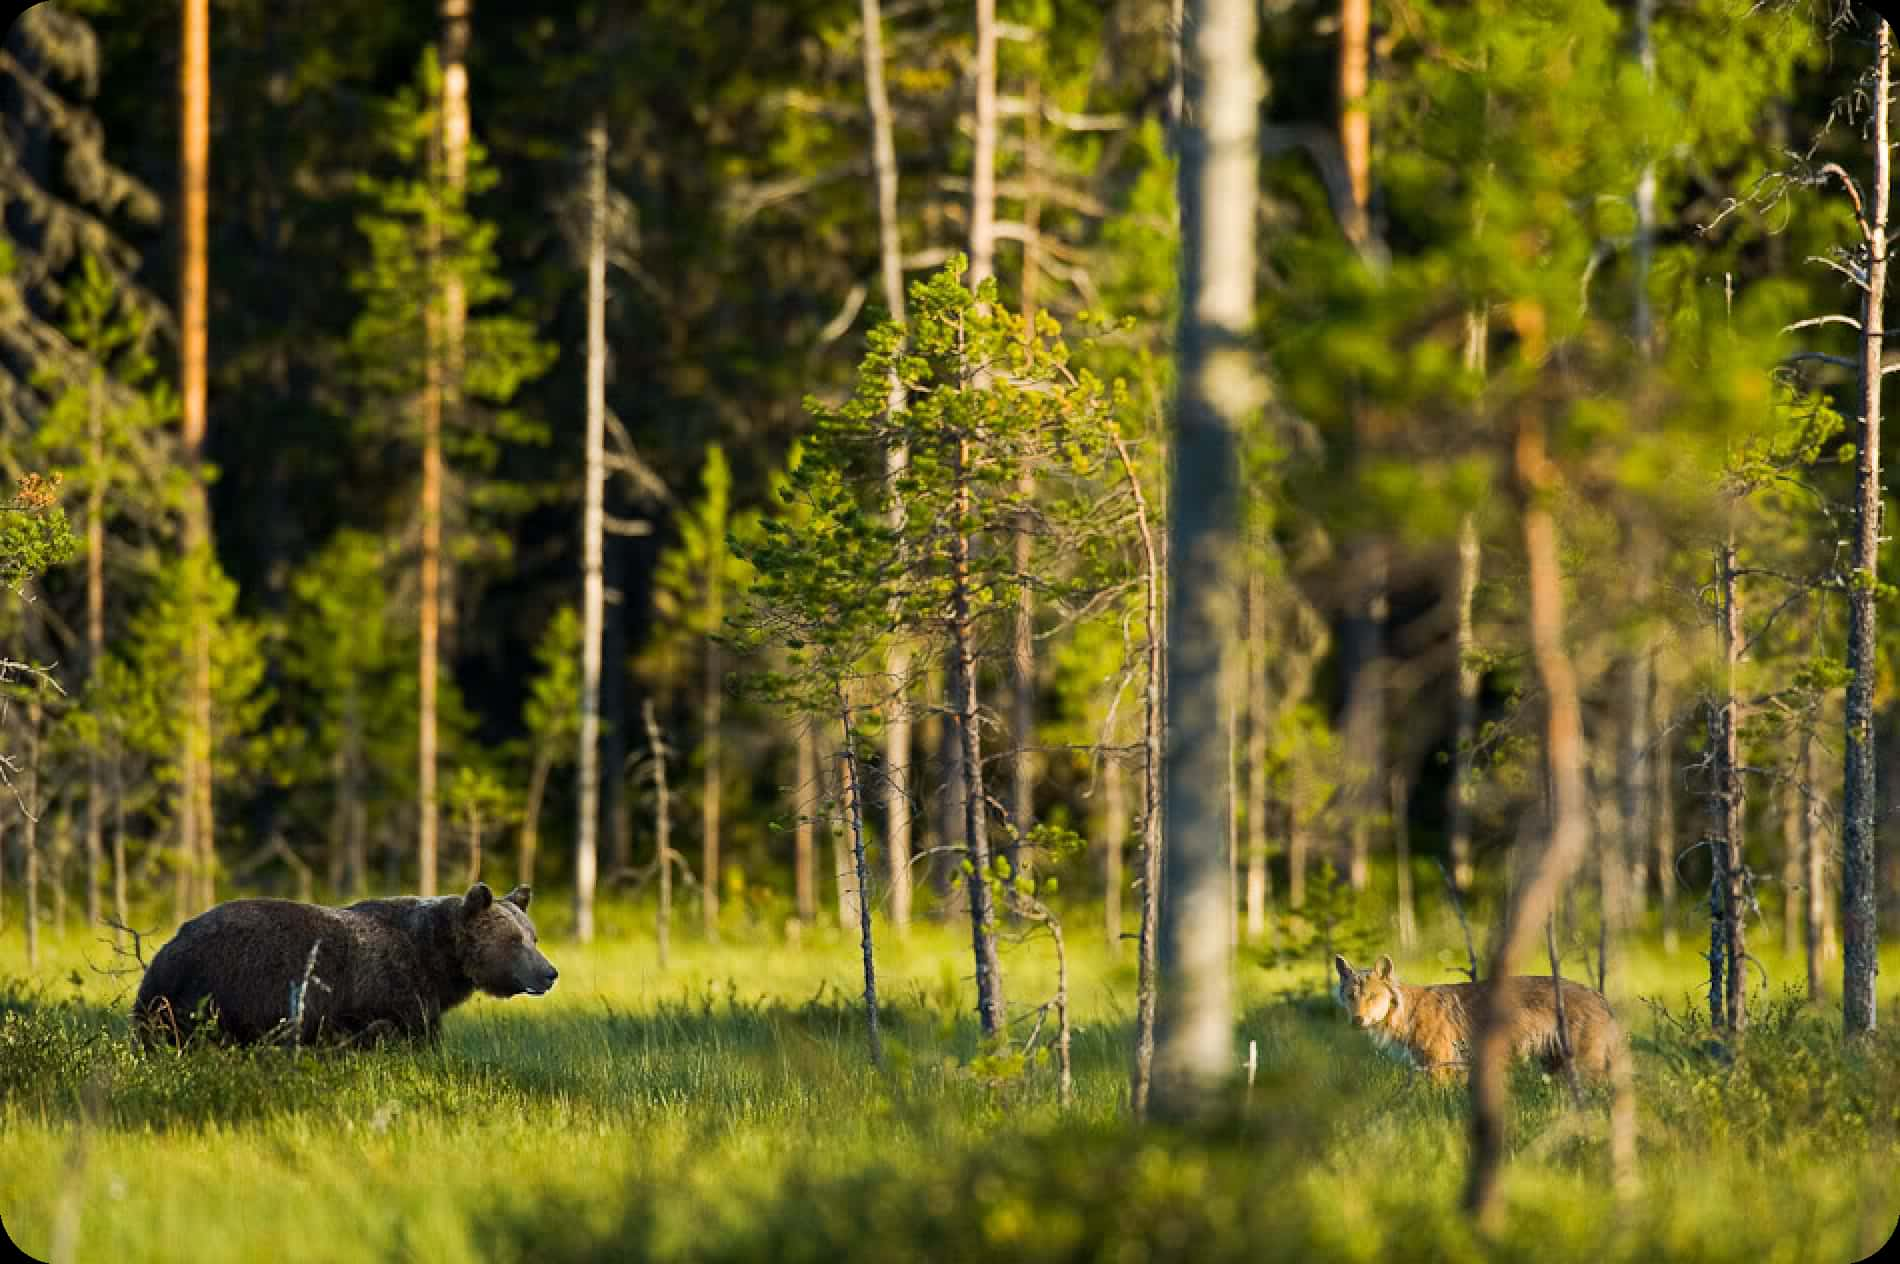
column 519, row 897
column 478, row 899
column 1384, row 967
column 1345, row 970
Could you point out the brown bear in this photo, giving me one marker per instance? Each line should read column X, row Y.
column 382, row 968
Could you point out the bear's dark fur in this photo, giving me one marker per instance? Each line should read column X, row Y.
column 383, row 967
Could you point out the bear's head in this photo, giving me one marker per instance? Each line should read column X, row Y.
column 496, row 943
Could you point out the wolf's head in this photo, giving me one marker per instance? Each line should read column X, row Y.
column 1369, row 997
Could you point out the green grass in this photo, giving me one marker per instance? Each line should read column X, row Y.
column 724, row 1111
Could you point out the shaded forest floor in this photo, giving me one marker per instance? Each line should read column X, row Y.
column 724, row 1110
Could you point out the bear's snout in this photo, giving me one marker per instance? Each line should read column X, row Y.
column 539, row 977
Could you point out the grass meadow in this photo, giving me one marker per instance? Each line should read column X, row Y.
column 724, row 1110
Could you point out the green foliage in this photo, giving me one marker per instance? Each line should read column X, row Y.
column 700, row 575
column 33, row 532
column 422, row 235
column 552, row 713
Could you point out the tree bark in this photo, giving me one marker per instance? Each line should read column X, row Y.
column 1734, row 867
column 1114, row 840
column 196, row 825
column 711, row 698
column 662, row 833
column 804, row 884
column 1859, row 905
column 983, row 160
column 855, row 803
column 95, row 630
column 1402, row 860
column 989, row 973
column 1259, row 722
column 1665, row 817
column 593, row 581
column 30, row 832
column 1465, row 734
column 1533, row 900
column 1814, row 863
column 1355, row 120
column 1022, row 679
column 1219, row 390
column 531, row 815
column 1153, row 686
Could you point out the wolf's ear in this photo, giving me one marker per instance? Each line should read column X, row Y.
column 1345, row 970
column 1384, row 968
column 519, row 897
column 478, row 899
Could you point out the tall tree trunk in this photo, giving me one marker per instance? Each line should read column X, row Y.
column 1665, row 815
column 593, row 522
column 1022, row 680
column 989, row 972
column 30, row 832
column 1219, row 389
column 531, row 815
column 850, row 892
column 1465, row 734
column 805, row 794
column 897, row 722
column 1355, row 120
column 1792, row 810
column 854, row 800
column 1259, row 720
column 1814, row 863
column 95, row 631
column 196, row 827
column 1635, row 762
column 121, row 902
column 1534, row 898
column 662, row 833
column 1859, row 906
column 711, row 698
column 1734, row 867
column 1114, row 840
column 1152, row 696
column 1718, row 880
column 983, row 159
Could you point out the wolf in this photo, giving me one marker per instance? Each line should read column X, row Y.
column 1430, row 1027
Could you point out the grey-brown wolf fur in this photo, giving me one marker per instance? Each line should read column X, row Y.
column 383, row 967
column 1432, row 1025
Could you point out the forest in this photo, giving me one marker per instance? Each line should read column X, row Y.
column 1040, row 592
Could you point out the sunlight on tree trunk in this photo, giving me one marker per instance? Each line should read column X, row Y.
column 805, row 795
column 1220, row 389
column 1859, row 895
column 983, row 157
column 593, row 524
column 1534, row 899
column 195, row 823
column 1259, row 721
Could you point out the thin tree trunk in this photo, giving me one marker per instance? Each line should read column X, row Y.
column 1718, row 881
column 1734, row 868
column 1147, row 967
column 989, row 973
column 853, row 793
column 1218, row 390
column 593, row 581
column 195, row 821
column 1665, row 818
column 1859, row 905
column 1814, row 863
column 1402, row 858
column 1355, row 120
column 1792, row 858
column 850, row 892
column 983, row 160
column 1259, row 720
column 1465, row 735
column 531, row 815
column 95, row 630
column 30, row 832
column 121, row 905
column 711, row 697
column 1114, row 839
column 1022, row 679
column 1636, row 794
column 805, row 794
column 1533, row 900
column 1296, row 836
column 898, row 737
column 662, row 832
